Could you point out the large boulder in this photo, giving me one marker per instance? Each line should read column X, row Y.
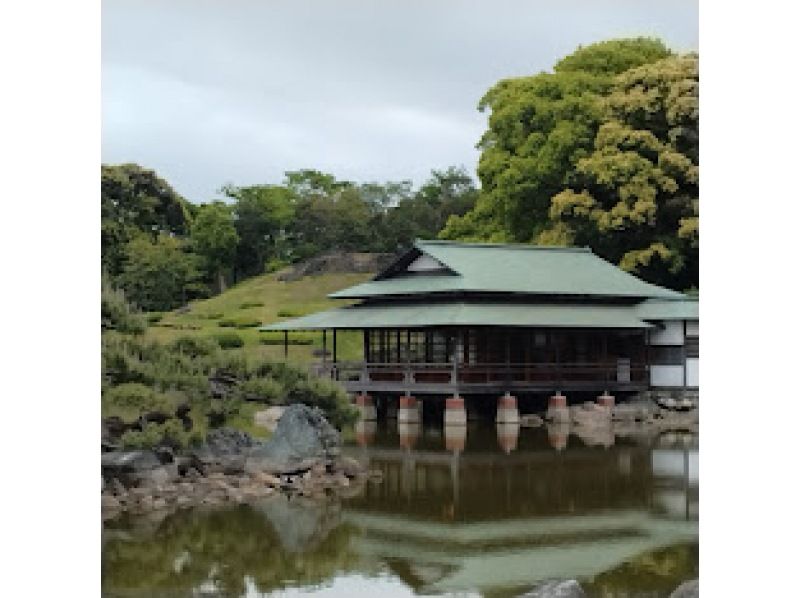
column 224, row 451
column 302, row 437
column 136, row 468
column 556, row 588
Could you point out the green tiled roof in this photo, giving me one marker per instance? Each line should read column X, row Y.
column 459, row 313
column 519, row 269
column 656, row 309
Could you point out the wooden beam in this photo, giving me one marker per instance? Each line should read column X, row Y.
column 334, row 346
column 286, row 344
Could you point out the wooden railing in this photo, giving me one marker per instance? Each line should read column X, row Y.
column 489, row 373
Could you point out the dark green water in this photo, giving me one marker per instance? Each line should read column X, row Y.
column 489, row 512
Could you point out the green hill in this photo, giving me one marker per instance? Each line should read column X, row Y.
column 263, row 300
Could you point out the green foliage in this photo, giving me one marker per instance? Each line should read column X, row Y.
column 602, row 152
column 131, row 400
column 160, row 274
column 634, row 199
column 134, row 201
column 227, row 323
column 289, row 312
column 214, row 237
column 212, row 316
column 228, row 340
column 154, row 317
column 194, row 346
column 116, row 313
column 328, row 396
column 266, row 390
column 295, row 338
column 249, row 304
column 248, row 322
column 170, row 433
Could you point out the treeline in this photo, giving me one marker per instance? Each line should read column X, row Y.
column 602, row 152
column 163, row 250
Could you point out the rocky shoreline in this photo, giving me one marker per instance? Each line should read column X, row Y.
column 302, row 458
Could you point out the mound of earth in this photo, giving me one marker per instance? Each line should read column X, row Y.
column 338, row 262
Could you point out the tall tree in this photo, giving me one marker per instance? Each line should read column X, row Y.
column 635, row 198
column 539, row 127
column 162, row 274
column 261, row 215
column 136, row 200
column 214, row 237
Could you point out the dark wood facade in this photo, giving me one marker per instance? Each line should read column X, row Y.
column 494, row 360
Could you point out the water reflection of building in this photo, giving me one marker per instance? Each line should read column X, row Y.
column 489, row 517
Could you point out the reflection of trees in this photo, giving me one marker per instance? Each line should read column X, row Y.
column 221, row 546
column 655, row 573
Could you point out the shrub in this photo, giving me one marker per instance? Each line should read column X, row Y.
column 154, row 317
column 229, row 340
column 275, row 264
column 295, row 338
column 249, row 304
column 212, row 316
column 227, row 323
column 116, row 313
column 170, row 433
column 248, row 322
column 194, row 346
column 130, row 400
column 326, row 395
column 267, row 390
column 288, row 312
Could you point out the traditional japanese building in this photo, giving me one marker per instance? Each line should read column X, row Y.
column 452, row 319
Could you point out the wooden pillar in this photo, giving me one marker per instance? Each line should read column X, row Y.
column 324, row 346
column 334, row 346
column 286, row 344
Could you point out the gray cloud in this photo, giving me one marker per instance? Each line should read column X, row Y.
column 208, row 92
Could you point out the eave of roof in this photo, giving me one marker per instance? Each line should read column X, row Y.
column 460, row 313
column 656, row 309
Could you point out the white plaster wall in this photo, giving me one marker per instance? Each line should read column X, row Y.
column 424, row 263
column 693, row 372
column 692, row 328
column 672, row 334
column 666, row 376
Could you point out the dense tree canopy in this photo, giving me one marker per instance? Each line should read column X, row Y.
column 214, row 237
column 135, row 200
column 601, row 152
column 147, row 226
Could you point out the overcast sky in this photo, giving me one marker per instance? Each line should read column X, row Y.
column 211, row 92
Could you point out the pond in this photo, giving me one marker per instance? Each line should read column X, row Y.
column 481, row 510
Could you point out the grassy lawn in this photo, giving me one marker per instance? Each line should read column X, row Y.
column 259, row 301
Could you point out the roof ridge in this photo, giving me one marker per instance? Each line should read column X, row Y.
column 526, row 246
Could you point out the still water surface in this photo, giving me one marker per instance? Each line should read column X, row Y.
column 482, row 510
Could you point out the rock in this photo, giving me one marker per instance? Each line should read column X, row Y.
column 688, row 589
column 566, row 588
column 107, row 501
column 268, row 418
column 349, row 467
column 302, row 438
column 136, row 467
column 224, row 451
column 530, row 420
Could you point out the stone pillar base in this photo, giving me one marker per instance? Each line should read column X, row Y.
column 366, row 408
column 454, row 412
column 606, row 400
column 557, row 410
column 409, row 411
column 507, row 412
